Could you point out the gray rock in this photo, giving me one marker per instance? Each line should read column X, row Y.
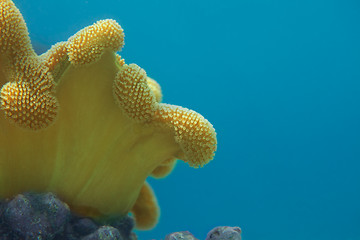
column 184, row 235
column 104, row 233
column 56, row 211
column 124, row 224
column 25, row 221
column 36, row 216
column 224, row 233
column 43, row 216
column 84, row 226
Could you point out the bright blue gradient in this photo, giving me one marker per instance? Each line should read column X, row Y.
column 279, row 80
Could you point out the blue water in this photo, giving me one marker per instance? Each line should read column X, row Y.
column 279, row 80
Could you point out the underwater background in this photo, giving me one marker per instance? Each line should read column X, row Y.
column 280, row 82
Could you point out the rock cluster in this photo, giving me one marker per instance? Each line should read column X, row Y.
column 42, row 216
column 45, row 217
column 218, row 233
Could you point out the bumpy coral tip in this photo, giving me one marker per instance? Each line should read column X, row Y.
column 28, row 107
column 155, row 88
column 133, row 94
column 87, row 45
column 195, row 135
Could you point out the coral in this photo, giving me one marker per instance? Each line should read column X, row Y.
column 80, row 122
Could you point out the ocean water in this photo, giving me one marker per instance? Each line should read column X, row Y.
column 280, row 82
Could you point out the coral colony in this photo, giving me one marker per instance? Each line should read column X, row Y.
column 79, row 122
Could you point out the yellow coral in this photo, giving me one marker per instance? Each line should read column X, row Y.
column 80, row 122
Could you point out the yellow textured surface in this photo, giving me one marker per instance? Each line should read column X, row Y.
column 120, row 60
column 81, row 123
column 195, row 135
column 155, row 88
column 87, row 45
column 133, row 94
column 27, row 99
column 28, row 104
column 56, row 59
column 14, row 39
